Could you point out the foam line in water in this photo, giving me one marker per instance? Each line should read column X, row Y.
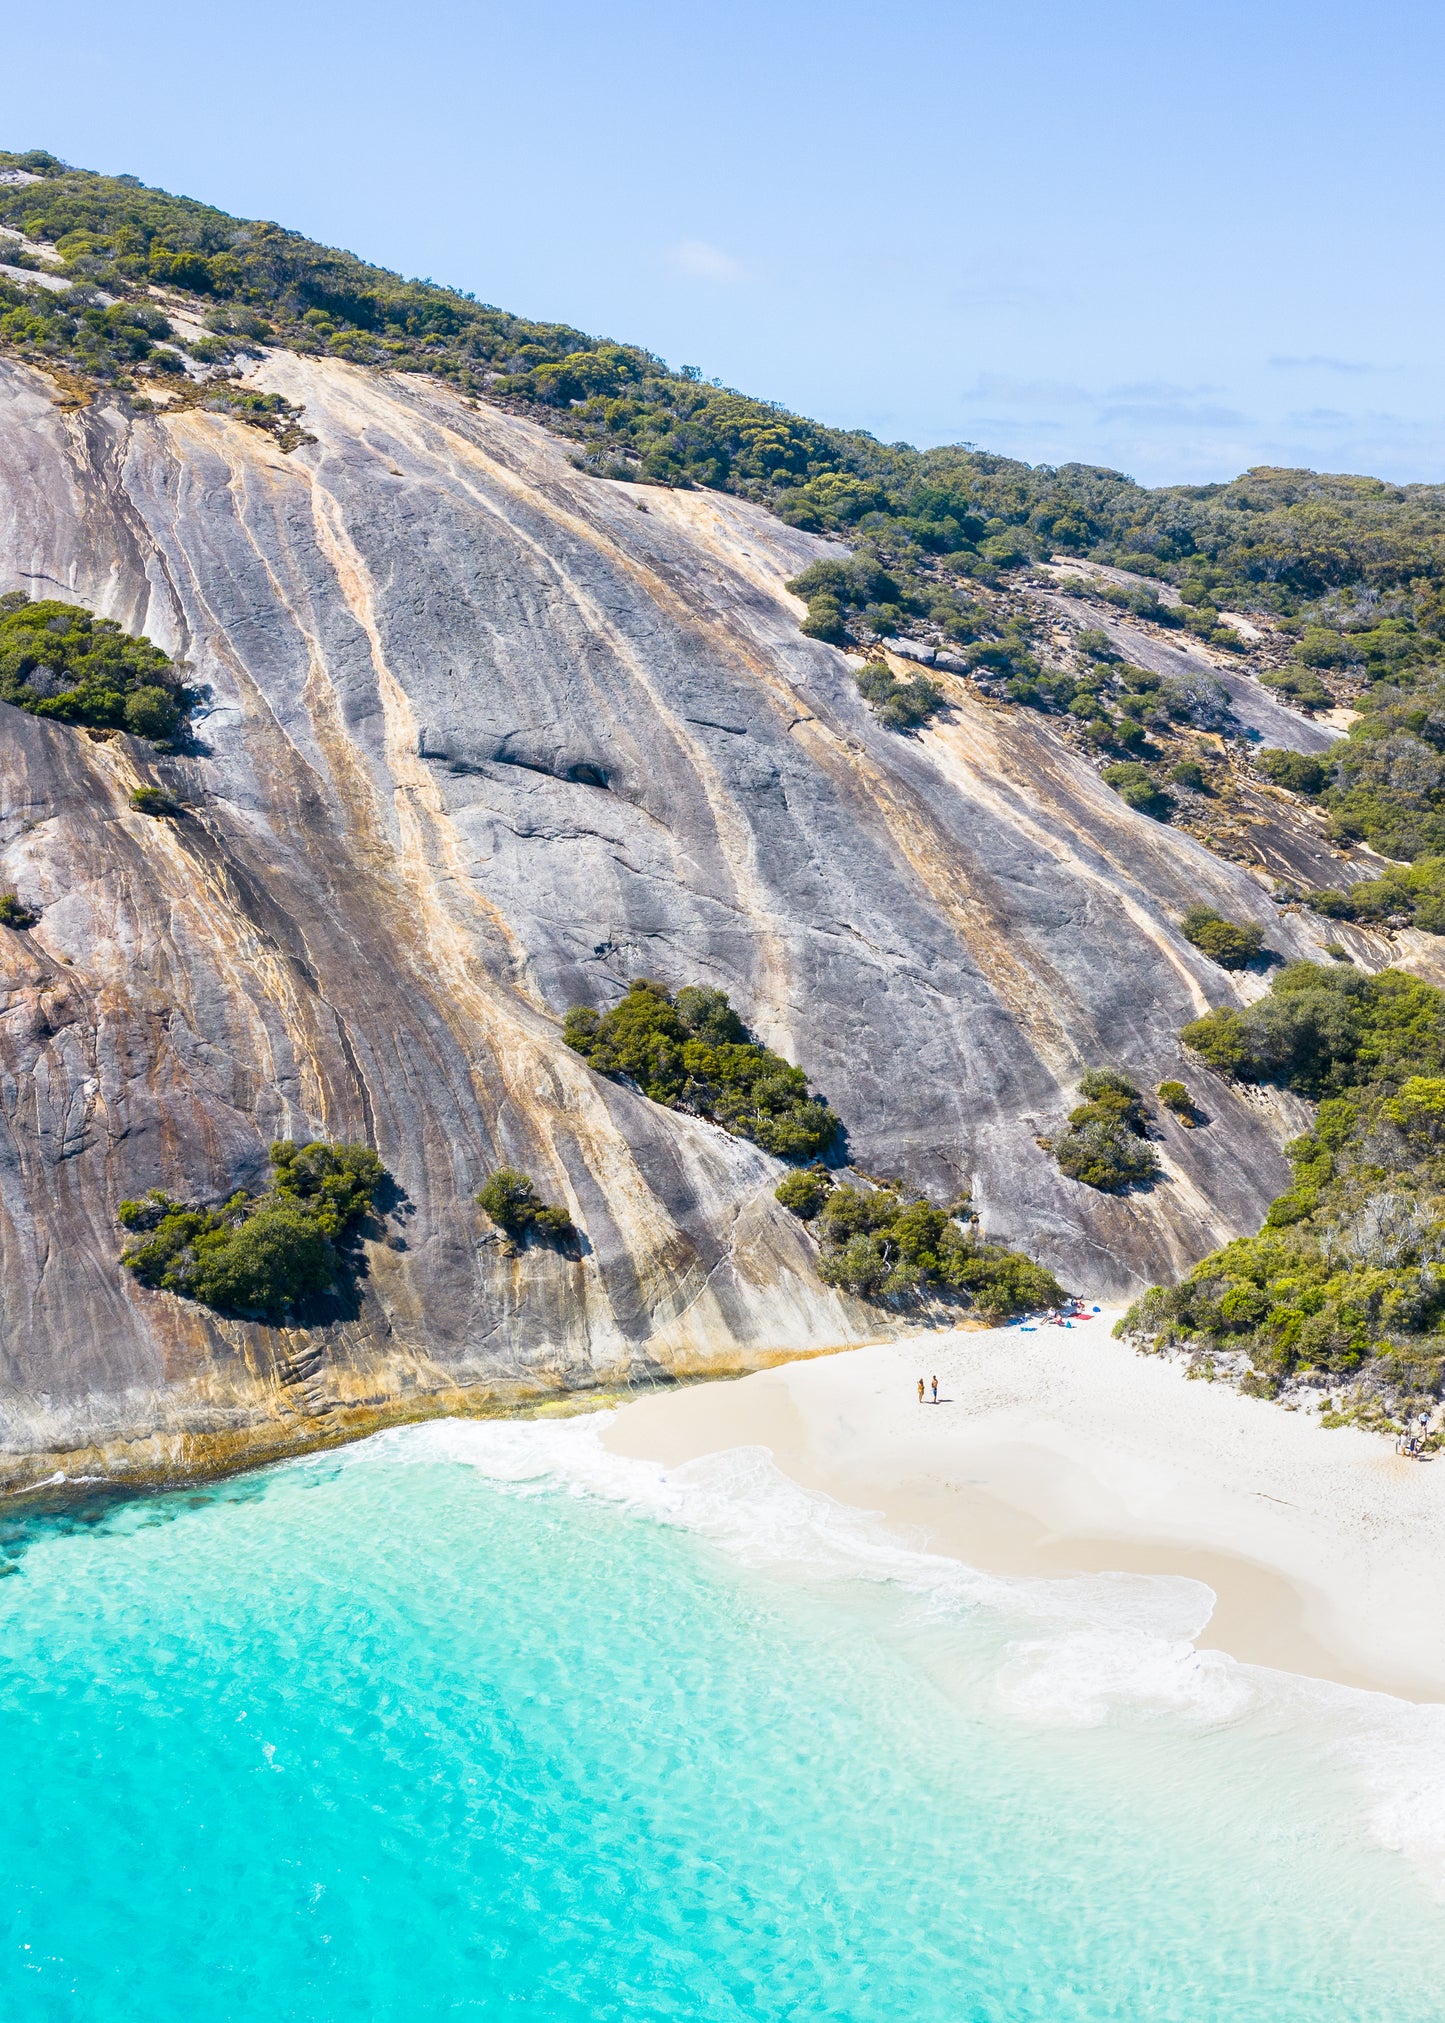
column 1078, row 1651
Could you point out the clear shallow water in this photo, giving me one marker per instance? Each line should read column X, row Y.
column 476, row 1720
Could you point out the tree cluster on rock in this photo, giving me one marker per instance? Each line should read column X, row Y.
column 1137, row 788
column 901, row 705
column 513, row 1203
column 693, row 1052
column 259, row 1255
column 1227, row 942
column 59, row 661
column 1106, row 1144
column 878, row 1243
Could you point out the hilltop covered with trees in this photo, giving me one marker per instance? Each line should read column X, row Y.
column 1274, row 539
column 1349, row 571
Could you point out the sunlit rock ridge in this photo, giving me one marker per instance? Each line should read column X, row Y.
column 487, row 736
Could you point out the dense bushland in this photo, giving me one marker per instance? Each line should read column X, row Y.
column 259, row 1255
column 693, row 1052
column 58, row 661
column 1346, row 1280
column 1106, row 1144
column 879, row 1244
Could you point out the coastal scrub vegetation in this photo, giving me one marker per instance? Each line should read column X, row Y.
column 692, row 1052
column 59, row 661
column 1106, row 1144
column 514, row 1205
column 880, row 1244
column 259, row 1255
column 1227, row 942
column 1384, row 782
column 1411, row 896
column 15, row 913
column 1345, row 1283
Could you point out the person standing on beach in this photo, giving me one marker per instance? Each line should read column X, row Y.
column 920, row 1390
column 935, row 1390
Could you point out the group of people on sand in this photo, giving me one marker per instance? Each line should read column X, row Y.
column 921, row 1398
column 1411, row 1439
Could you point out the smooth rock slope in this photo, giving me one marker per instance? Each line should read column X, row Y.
column 486, row 737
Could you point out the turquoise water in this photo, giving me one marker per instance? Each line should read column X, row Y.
column 474, row 1722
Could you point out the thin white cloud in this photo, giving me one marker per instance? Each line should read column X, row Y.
column 1319, row 363
column 699, row 261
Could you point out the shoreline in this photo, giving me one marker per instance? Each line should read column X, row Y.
column 1056, row 1452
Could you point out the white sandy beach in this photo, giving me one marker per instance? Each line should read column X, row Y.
column 1062, row 1451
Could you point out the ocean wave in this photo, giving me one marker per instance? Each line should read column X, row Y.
column 1081, row 1651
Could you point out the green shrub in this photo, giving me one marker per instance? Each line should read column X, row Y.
column 153, row 801
column 1317, row 646
column 1136, row 788
column 824, row 621
column 1174, row 1096
column 693, row 1053
column 1226, row 942
column 902, row 705
column 1301, row 772
column 14, row 914
column 1188, row 773
column 1105, row 1145
column 59, row 661
column 1096, row 644
column 876, row 1245
column 514, row 1204
column 259, row 1255
column 1299, row 685
column 804, row 1192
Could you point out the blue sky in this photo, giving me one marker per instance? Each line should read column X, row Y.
column 1178, row 241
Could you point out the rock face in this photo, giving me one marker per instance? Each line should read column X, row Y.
column 486, row 737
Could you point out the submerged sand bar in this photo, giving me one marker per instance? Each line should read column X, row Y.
column 1062, row 1451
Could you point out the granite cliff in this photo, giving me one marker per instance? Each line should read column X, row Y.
column 485, row 736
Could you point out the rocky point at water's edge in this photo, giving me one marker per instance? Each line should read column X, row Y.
column 485, row 737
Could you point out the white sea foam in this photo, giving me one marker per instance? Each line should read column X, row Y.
column 1081, row 1652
